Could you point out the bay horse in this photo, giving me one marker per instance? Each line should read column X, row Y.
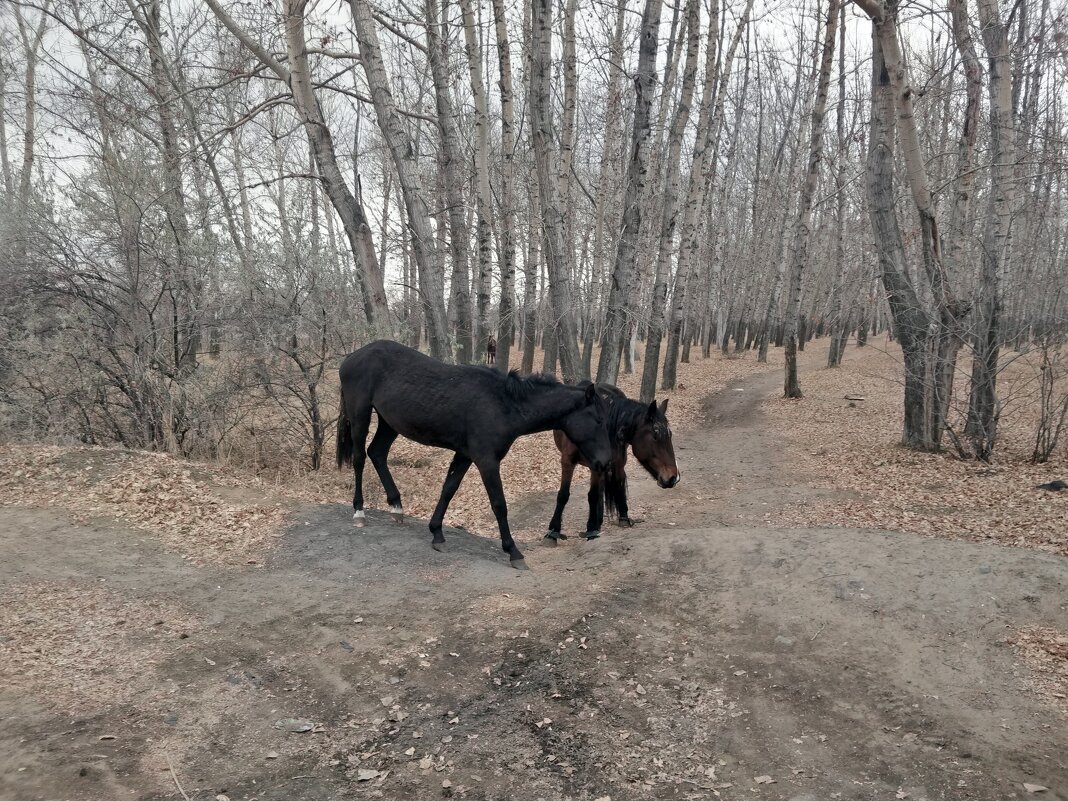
column 476, row 412
column 644, row 427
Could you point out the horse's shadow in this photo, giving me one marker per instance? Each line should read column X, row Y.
column 323, row 539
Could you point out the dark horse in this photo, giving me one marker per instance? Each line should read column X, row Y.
column 645, row 429
column 477, row 412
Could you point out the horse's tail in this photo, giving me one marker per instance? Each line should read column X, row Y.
column 344, row 436
column 613, row 487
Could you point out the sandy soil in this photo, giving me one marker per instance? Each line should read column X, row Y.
column 695, row 656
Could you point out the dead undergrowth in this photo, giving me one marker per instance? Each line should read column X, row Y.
column 852, row 446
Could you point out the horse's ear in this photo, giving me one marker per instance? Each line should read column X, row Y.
column 663, row 407
column 591, row 393
column 652, row 412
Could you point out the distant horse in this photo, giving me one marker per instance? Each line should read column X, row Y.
column 477, row 412
column 645, row 429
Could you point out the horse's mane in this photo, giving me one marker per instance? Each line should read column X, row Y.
column 519, row 387
column 624, row 417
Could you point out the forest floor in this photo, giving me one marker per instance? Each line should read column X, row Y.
column 812, row 614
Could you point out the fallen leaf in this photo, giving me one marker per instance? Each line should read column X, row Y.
column 1034, row 788
column 366, row 774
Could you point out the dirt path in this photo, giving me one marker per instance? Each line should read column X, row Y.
column 695, row 656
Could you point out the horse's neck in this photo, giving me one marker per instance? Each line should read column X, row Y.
column 542, row 410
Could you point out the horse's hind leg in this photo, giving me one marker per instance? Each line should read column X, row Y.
column 567, row 472
column 491, row 477
column 359, row 420
column 379, row 452
column 457, row 470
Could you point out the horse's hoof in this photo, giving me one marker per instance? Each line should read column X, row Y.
column 438, row 546
column 359, row 520
column 550, row 540
column 626, row 522
column 519, row 564
column 397, row 513
column 591, row 535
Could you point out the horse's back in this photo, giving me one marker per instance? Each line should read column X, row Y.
column 378, row 360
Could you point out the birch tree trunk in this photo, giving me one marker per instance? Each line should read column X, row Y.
column 983, row 406
column 32, row 38
column 506, row 313
column 556, row 256
column 671, row 197
column 617, row 318
column 791, row 386
column 942, row 340
column 701, row 179
column 484, row 205
column 609, row 174
column 453, row 175
column 839, row 318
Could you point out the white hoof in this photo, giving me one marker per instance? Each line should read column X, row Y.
column 359, row 519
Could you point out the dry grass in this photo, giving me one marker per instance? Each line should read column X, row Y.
column 86, row 649
column 853, row 447
column 175, row 501
column 1045, row 652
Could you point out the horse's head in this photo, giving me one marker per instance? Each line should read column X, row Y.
column 587, row 427
column 652, row 446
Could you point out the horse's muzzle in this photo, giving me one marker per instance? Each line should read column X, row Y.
column 668, row 483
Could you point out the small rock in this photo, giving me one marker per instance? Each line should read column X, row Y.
column 366, row 774
column 272, row 755
column 222, row 797
column 764, row 780
column 446, row 784
column 294, row 725
column 426, row 763
column 410, row 751
column 984, row 568
column 1034, row 788
column 386, row 700
column 640, row 690
column 784, row 640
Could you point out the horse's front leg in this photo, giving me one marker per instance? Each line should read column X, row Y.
column 491, row 477
column 567, row 472
column 596, row 499
column 457, row 471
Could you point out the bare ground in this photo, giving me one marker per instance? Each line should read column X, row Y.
column 695, row 656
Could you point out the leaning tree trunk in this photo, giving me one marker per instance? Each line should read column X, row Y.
column 616, row 320
column 791, row 386
column 942, row 340
column 298, row 76
column 910, row 320
column 556, row 257
column 395, row 134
